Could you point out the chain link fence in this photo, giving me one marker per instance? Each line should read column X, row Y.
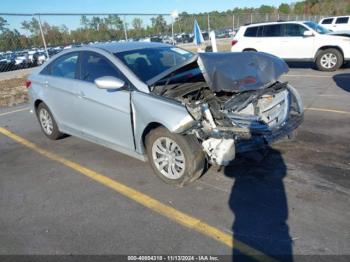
column 27, row 40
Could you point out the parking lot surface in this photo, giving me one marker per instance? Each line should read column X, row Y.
column 295, row 200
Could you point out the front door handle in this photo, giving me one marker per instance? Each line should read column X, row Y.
column 81, row 94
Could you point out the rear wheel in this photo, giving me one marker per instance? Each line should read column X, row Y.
column 175, row 159
column 47, row 122
column 329, row 59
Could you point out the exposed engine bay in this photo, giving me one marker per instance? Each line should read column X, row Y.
column 237, row 120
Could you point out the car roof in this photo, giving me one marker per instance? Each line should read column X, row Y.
column 127, row 46
column 328, row 17
column 275, row 23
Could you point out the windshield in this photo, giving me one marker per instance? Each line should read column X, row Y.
column 319, row 29
column 150, row 62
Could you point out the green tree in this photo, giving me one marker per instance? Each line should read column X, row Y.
column 158, row 24
column 3, row 24
column 264, row 9
column 284, row 9
column 114, row 22
column 31, row 26
column 84, row 21
column 137, row 23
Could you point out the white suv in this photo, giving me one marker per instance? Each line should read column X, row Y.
column 336, row 23
column 295, row 41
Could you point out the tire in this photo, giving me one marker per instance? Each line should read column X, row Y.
column 249, row 50
column 329, row 60
column 47, row 122
column 186, row 157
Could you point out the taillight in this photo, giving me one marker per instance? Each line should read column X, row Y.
column 28, row 83
column 233, row 42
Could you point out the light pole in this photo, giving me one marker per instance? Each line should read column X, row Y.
column 43, row 37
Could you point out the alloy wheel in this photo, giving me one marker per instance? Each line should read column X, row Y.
column 168, row 158
column 46, row 121
column 329, row 60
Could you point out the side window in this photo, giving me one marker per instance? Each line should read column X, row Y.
column 272, row 31
column 94, row 65
column 327, row 21
column 294, row 30
column 342, row 20
column 251, row 31
column 64, row 66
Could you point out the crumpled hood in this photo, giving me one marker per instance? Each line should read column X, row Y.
column 239, row 72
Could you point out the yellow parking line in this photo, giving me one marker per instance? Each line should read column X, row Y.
column 145, row 200
column 327, row 110
column 14, row 111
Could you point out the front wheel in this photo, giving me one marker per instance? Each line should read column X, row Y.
column 329, row 59
column 175, row 159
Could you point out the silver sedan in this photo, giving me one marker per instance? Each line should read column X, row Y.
column 160, row 103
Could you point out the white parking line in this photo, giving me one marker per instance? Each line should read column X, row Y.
column 327, row 110
column 14, row 111
column 319, row 76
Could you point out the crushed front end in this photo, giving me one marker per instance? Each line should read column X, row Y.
column 246, row 121
column 237, row 101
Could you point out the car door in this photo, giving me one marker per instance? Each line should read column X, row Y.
column 294, row 44
column 60, row 88
column 104, row 115
column 269, row 40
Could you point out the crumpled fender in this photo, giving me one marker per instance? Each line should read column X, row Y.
column 149, row 108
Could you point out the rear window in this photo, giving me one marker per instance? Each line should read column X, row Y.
column 342, row 20
column 64, row 66
column 251, row 31
column 327, row 21
column 272, row 31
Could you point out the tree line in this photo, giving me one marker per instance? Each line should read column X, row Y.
column 113, row 27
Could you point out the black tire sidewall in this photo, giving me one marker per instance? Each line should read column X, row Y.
column 193, row 154
column 56, row 134
column 336, row 52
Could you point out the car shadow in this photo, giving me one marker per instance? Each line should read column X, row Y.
column 309, row 65
column 342, row 81
column 259, row 203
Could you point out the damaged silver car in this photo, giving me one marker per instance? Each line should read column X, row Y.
column 160, row 103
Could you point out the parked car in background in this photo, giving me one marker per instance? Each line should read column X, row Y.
column 295, row 41
column 39, row 58
column 22, row 59
column 336, row 23
column 158, row 102
column 184, row 38
column 7, row 62
column 223, row 33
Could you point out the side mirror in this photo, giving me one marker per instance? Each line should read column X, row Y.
column 308, row 33
column 109, row 82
